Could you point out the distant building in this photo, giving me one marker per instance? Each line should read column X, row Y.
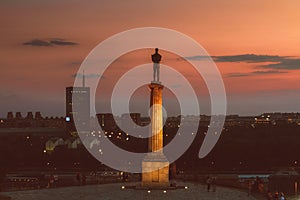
column 10, row 115
column 38, row 115
column 77, row 100
column 78, row 106
column 29, row 115
column 18, row 115
column 130, row 120
column 106, row 121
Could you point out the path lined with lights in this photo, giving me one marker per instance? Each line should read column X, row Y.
column 119, row 191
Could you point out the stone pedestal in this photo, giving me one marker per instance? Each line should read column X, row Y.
column 155, row 171
column 156, row 166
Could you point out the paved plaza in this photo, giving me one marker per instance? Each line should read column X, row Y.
column 115, row 191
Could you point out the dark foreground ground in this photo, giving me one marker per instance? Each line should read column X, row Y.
column 115, row 191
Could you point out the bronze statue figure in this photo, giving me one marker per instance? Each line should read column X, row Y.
column 156, row 59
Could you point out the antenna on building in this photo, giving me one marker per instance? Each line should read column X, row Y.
column 83, row 79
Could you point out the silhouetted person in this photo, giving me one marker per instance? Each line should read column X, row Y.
column 83, row 179
column 276, row 196
column 51, row 181
column 156, row 58
column 269, row 195
column 282, row 196
column 78, row 178
column 213, row 184
column 258, row 185
column 208, row 183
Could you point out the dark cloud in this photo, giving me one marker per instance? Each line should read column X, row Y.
column 50, row 42
column 62, row 42
column 269, row 72
column 249, row 58
column 275, row 62
column 197, row 58
column 76, row 63
column 37, row 42
column 233, row 75
column 287, row 64
column 80, row 75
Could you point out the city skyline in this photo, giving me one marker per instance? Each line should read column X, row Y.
column 255, row 45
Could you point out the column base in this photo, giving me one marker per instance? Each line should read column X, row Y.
column 155, row 171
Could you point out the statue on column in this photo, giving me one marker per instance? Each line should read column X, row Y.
column 156, row 59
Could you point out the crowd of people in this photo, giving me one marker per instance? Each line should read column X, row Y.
column 275, row 196
column 257, row 186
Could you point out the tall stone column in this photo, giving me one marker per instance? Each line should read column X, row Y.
column 156, row 141
column 155, row 166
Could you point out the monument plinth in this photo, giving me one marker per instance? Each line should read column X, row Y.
column 155, row 165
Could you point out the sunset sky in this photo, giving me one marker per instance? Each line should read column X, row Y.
column 255, row 44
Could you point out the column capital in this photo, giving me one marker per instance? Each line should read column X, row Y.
column 155, row 85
